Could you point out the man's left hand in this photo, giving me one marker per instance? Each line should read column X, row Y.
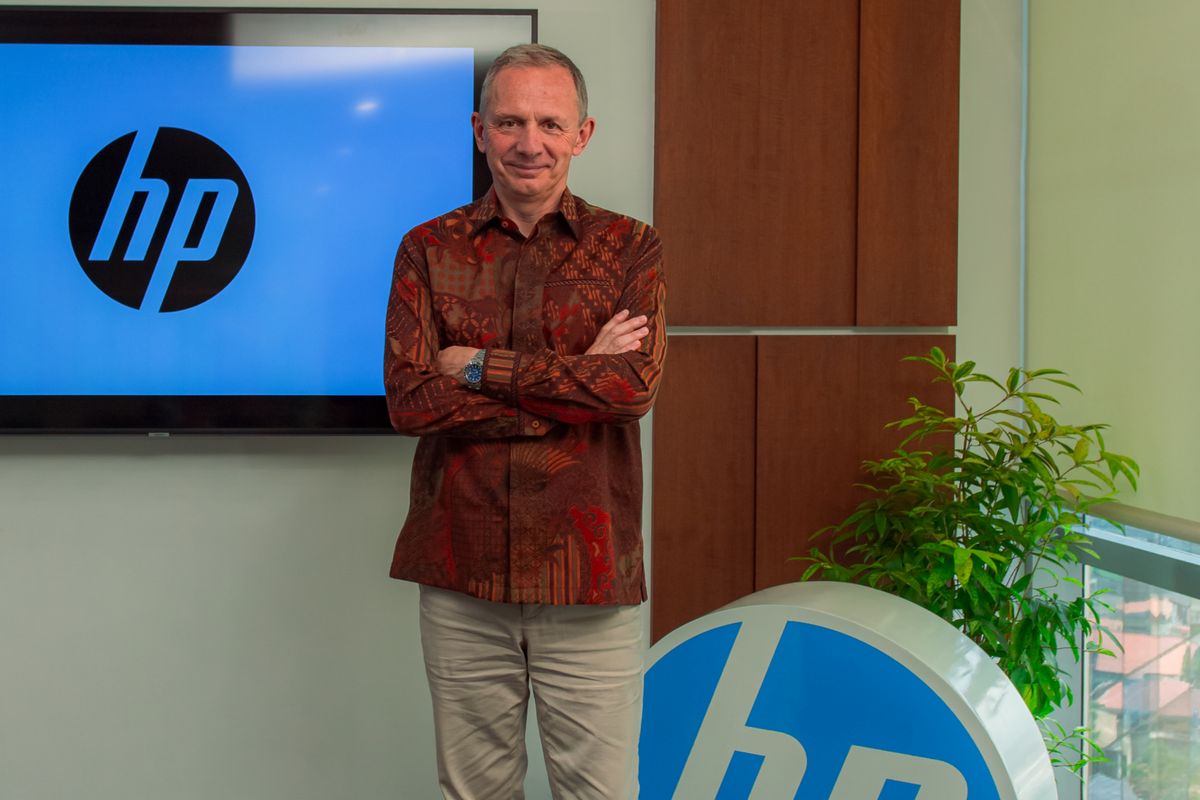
column 450, row 362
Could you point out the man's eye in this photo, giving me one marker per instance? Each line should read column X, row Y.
column 552, row 126
column 506, row 123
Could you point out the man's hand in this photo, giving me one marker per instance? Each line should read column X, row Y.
column 451, row 361
column 620, row 334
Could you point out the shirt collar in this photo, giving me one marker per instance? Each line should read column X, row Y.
column 487, row 211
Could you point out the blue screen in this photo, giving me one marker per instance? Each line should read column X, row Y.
column 338, row 151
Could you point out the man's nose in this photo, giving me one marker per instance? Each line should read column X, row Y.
column 529, row 141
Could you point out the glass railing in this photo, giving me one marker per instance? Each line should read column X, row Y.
column 1143, row 701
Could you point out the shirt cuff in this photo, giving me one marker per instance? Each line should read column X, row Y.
column 500, row 375
column 499, row 382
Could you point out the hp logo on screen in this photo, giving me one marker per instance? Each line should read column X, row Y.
column 162, row 219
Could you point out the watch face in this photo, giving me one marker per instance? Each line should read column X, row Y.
column 473, row 373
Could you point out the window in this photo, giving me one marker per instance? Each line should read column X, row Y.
column 1143, row 702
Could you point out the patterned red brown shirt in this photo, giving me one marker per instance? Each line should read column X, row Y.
column 528, row 490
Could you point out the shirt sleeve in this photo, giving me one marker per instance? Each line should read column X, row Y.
column 420, row 400
column 576, row 389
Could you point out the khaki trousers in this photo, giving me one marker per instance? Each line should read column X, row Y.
column 585, row 666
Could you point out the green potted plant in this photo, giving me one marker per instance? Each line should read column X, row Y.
column 976, row 516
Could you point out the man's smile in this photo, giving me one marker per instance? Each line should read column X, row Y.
column 527, row 170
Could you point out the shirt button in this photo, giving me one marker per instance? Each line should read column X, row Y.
column 537, row 424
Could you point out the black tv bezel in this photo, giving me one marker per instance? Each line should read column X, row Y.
column 204, row 414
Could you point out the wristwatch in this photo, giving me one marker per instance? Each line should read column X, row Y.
column 472, row 372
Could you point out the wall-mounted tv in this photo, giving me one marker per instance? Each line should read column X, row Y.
column 201, row 207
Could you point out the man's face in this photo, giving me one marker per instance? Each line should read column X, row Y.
column 530, row 132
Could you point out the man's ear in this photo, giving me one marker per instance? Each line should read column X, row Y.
column 479, row 131
column 584, row 136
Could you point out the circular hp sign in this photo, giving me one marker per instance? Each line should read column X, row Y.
column 161, row 219
column 829, row 691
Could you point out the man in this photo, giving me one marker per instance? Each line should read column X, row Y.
column 525, row 337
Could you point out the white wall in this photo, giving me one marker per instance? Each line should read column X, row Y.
column 211, row 617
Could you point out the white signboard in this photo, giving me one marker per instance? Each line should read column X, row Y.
column 833, row 691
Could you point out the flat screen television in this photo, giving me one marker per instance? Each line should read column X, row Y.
column 202, row 207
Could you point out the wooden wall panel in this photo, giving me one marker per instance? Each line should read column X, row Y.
column 823, row 402
column 908, row 163
column 755, row 160
column 702, row 550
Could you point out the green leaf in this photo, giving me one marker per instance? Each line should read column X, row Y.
column 1067, row 384
column 963, row 565
column 1049, row 398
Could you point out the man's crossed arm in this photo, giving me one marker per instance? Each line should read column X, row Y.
column 621, row 334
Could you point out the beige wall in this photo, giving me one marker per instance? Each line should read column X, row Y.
column 989, row 211
column 1114, row 189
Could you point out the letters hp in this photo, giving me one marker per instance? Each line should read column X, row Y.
column 783, row 761
column 162, row 219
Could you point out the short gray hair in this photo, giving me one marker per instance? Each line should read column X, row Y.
column 534, row 55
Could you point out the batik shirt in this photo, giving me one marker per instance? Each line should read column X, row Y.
column 528, row 490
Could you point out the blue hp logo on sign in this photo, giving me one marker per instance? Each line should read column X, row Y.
column 832, row 692
column 161, row 219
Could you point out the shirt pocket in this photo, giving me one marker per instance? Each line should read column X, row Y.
column 574, row 310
